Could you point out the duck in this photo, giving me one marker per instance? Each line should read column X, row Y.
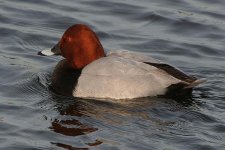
column 88, row 71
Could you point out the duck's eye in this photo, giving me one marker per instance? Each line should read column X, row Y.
column 69, row 39
column 66, row 39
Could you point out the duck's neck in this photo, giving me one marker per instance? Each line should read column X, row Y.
column 64, row 78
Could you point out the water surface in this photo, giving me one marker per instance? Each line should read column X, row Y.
column 189, row 34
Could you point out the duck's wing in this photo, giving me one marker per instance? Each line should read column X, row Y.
column 140, row 57
column 117, row 77
column 173, row 72
column 180, row 89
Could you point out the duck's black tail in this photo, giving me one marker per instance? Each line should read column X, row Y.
column 195, row 83
column 182, row 89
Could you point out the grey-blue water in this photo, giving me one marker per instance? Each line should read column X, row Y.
column 189, row 34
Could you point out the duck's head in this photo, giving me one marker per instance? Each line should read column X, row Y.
column 79, row 45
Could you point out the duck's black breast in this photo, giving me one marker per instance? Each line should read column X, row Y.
column 64, row 78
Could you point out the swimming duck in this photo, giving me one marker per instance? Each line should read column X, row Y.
column 89, row 72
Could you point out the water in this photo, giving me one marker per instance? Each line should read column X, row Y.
column 189, row 34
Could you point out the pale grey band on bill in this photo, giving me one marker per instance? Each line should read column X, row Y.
column 47, row 52
column 54, row 51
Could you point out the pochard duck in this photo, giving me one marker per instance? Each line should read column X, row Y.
column 89, row 72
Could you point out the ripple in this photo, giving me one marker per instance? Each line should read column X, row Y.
column 68, row 147
column 153, row 17
column 219, row 128
column 195, row 116
column 187, row 27
column 116, row 7
column 214, row 15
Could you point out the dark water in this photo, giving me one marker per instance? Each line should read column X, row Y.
column 189, row 34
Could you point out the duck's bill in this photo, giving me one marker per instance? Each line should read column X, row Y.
column 48, row 52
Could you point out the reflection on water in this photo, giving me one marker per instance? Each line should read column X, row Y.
column 187, row 34
column 62, row 127
column 80, row 117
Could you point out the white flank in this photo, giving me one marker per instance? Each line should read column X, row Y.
column 121, row 77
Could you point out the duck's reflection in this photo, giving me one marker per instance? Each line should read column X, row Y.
column 68, row 123
column 107, row 112
column 79, row 116
column 71, row 127
column 82, row 116
column 68, row 147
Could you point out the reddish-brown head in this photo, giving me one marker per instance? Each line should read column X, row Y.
column 80, row 46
